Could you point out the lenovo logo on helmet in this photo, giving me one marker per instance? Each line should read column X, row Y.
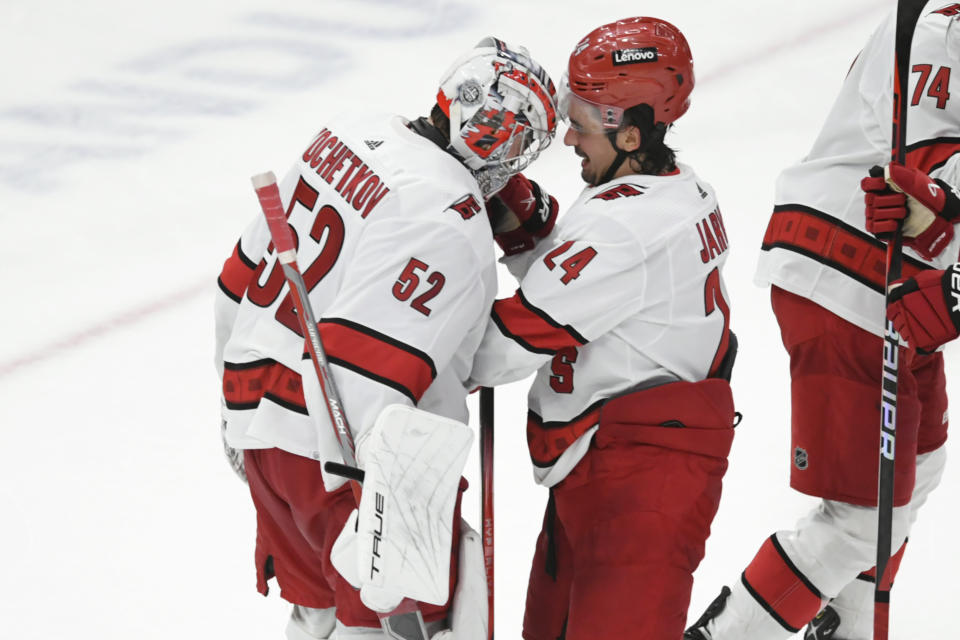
column 634, row 56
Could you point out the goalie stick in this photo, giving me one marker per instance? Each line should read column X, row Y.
column 908, row 14
column 405, row 622
column 486, row 490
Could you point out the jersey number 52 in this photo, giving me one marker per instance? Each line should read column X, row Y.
column 327, row 228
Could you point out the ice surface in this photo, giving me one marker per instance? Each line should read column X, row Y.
column 128, row 134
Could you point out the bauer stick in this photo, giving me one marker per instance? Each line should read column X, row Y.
column 486, row 490
column 908, row 13
column 405, row 622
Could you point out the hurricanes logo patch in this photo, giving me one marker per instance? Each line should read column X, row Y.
column 800, row 460
column 950, row 10
column 620, row 191
column 467, row 206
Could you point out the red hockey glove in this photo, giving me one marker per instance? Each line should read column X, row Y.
column 520, row 213
column 926, row 309
column 928, row 207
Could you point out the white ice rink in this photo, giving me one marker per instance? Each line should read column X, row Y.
column 128, row 132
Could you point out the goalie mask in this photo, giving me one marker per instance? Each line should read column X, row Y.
column 502, row 109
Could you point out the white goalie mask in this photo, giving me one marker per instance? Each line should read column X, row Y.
column 502, row 108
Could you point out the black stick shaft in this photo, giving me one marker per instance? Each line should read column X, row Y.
column 908, row 13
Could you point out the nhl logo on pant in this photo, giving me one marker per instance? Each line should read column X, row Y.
column 800, row 458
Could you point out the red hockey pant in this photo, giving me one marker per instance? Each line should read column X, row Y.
column 835, row 369
column 625, row 530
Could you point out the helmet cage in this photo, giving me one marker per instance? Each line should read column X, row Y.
column 502, row 111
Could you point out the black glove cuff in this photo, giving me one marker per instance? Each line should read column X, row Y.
column 497, row 211
column 534, row 223
column 907, row 286
column 951, row 204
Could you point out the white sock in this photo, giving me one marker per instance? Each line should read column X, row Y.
column 311, row 624
column 744, row 619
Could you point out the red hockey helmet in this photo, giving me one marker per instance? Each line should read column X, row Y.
column 630, row 62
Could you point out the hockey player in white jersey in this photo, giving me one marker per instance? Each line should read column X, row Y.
column 395, row 247
column 622, row 313
column 826, row 272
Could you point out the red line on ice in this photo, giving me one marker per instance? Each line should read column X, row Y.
column 138, row 314
column 120, row 321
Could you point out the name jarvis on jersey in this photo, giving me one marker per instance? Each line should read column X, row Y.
column 358, row 185
column 713, row 236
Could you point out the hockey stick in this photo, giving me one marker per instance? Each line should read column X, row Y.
column 908, row 13
column 405, row 622
column 486, row 490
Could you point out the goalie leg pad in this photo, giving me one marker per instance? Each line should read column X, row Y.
column 468, row 615
column 404, row 529
column 468, row 611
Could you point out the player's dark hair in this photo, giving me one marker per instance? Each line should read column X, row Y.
column 440, row 121
column 653, row 156
column 435, row 128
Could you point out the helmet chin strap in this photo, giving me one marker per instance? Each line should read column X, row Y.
column 615, row 165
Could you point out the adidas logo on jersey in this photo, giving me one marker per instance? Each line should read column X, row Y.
column 634, row 56
column 373, row 144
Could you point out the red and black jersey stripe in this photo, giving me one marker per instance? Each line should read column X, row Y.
column 235, row 275
column 548, row 440
column 533, row 328
column 834, row 243
column 246, row 383
column 377, row 356
column 929, row 155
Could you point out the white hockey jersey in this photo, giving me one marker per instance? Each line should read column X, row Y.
column 396, row 250
column 625, row 292
column 816, row 244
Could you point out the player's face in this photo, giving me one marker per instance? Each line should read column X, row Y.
column 589, row 141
